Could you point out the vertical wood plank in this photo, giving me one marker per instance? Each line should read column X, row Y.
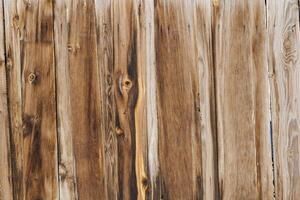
column 146, row 108
column 284, row 41
column 30, row 57
column 85, row 101
column 185, row 100
column 206, row 144
column 244, row 148
column 6, row 190
column 39, row 103
column 67, row 174
column 104, row 19
column 125, row 83
column 14, row 23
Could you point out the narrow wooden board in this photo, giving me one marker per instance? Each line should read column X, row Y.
column 244, row 148
column 30, row 58
column 185, row 98
column 14, row 24
column 104, row 20
column 66, row 162
column 125, row 90
column 6, row 191
column 284, row 63
column 84, row 86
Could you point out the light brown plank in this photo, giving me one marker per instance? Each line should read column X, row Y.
column 66, row 170
column 146, row 106
column 244, row 148
column 14, row 23
column 85, row 101
column 104, row 19
column 6, row 190
column 284, row 42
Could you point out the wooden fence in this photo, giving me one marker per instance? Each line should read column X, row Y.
column 149, row 99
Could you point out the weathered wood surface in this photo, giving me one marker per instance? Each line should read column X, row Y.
column 149, row 99
column 284, row 71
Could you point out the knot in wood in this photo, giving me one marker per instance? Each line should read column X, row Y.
column 32, row 78
column 119, row 131
column 127, row 84
column 145, row 183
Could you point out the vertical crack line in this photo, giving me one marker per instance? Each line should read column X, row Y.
column 270, row 69
column 214, row 109
column 56, row 105
column 9, row 139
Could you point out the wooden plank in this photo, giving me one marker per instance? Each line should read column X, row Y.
column 185, row 99
column 244, row 148
column 14, row 24
column 146, row 107
column 30, row 56
column 6, row 191
column 104, row 25
column 284, row 41
column 85, row 101
column 206, row 106
column 67, row 174
column 125, row 88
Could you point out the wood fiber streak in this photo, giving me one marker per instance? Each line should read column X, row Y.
column 31, row 83
column 85, row 101
column 6, row 190
column 244, row 152
column 284, row 63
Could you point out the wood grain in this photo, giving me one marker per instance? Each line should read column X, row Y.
column 6, row 191
column 244, row 152
column 284, row 41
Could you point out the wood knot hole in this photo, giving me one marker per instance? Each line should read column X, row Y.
column 127, row 84
column 119, row 131
column 32, row 78
column 145, row 183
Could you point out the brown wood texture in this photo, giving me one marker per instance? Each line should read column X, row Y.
column 149, row 99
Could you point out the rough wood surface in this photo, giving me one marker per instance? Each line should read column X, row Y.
column 244, row 147
column 149, row 99
column 284, row 72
